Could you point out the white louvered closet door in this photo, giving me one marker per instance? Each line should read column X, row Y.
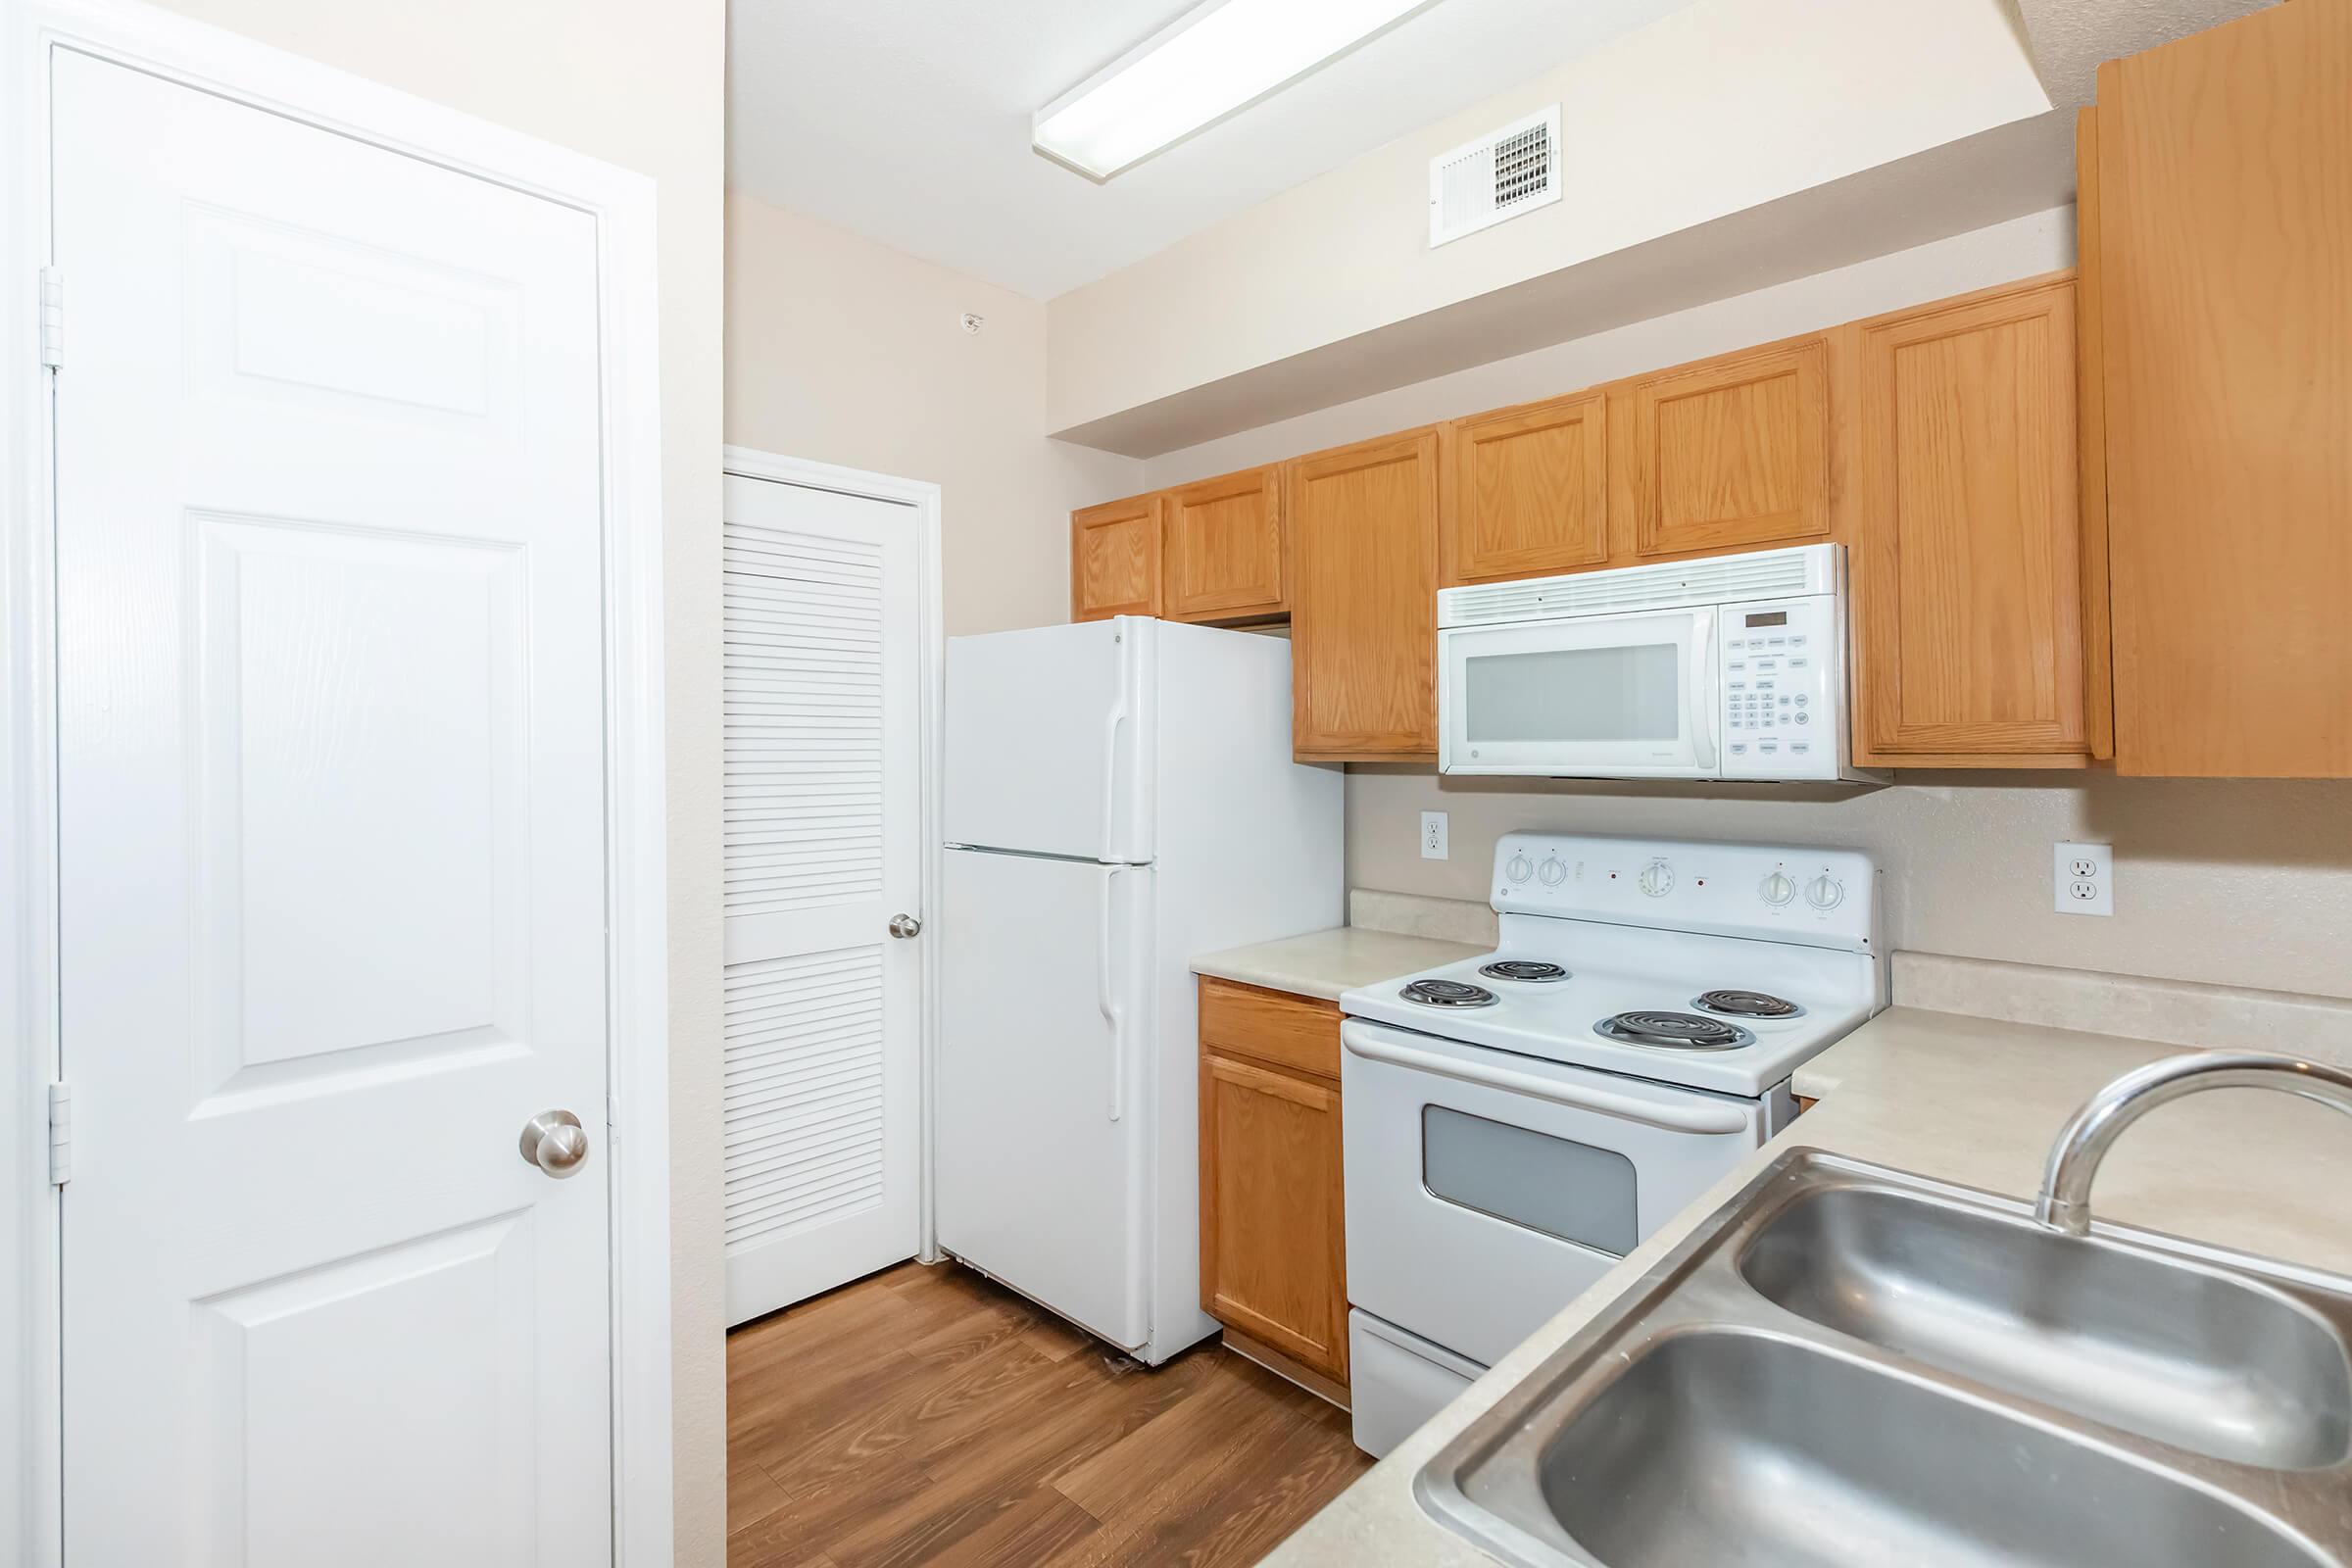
column 822, row 850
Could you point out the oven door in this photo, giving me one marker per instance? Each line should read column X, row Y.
column 1486, row 1189
column 1602, row 696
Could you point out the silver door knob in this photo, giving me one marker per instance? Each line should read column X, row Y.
column 556, row 1143
column 906, row 925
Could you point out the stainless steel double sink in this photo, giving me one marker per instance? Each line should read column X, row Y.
column 1848, row 1365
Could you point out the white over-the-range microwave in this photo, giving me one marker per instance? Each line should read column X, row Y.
column 1728, row 667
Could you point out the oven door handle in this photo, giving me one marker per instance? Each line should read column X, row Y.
column 1698, row 1116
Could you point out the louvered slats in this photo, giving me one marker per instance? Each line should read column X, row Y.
column 804, row 1092
column 802, row 673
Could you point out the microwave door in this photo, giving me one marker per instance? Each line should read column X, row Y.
column 1630, row 696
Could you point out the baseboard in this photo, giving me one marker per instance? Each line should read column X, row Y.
column 1286, row 1368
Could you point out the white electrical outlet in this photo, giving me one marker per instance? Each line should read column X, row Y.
column 1433, row 835
column 2086, row 879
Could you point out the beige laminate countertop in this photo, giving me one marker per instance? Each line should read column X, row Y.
column 1960, row 1099
column 1324, row 963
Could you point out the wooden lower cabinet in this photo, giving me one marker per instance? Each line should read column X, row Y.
column 1273, row 1224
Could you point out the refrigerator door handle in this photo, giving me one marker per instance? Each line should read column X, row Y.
column 1110, row 779
column 1107, row 995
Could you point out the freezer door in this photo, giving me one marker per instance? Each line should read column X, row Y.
column 1048, row 740
column 1044, row 1111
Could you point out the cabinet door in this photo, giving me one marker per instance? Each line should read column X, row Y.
column 1273, row 1227
column 1364, row 529
column 1732, row 453
column 2224, row 256
column 1221, row 548
column 1969, row 546
column 1530, row 491
column 1114, row 559
column 2090, row 445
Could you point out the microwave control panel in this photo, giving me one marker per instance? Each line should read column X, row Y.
column 1782, row 672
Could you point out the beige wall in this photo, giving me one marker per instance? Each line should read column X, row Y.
column 842, row 351
column 2232, row 882
column 1667, row 127
column 639, row 83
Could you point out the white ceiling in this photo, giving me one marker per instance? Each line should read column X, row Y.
column 907, row 121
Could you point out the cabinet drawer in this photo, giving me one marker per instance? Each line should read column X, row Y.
column 1272, row 1026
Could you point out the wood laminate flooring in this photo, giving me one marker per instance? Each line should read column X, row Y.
column 924, row 1415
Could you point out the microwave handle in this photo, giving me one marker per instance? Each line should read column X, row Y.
column 1706, row 703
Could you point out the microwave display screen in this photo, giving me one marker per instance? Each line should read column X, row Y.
column 1777, row 617
column 1623, row 693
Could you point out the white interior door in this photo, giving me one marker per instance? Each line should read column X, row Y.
column 331, row 847
column 823, row 852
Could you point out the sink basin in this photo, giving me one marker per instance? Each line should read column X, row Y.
column 1730, row 1448
column 1849, row 1365
column 2198, row 1357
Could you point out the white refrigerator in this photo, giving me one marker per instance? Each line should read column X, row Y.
column 1120, row 798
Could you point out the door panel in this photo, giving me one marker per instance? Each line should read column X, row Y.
column 332, row 838
column 1364, row 529
column 2222, row 253
column 1971, row 563
column 822, row 848
column 1114, row 560
column 1530, row 491
column 1221, row 548
column 1273, row 1228
column 1041, row 1139
column 1732, row 453
column 1047, row 741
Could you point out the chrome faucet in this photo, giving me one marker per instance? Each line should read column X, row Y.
column 2065, row 1202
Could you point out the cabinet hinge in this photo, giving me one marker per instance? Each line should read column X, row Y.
column 60, row 1133
column 52, row 318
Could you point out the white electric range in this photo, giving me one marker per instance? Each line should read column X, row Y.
column 1515, row 1124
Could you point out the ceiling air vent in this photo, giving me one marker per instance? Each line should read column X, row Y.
column 1501, row 174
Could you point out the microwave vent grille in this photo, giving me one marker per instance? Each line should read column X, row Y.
column 1721, row 579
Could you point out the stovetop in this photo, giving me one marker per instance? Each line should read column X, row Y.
column 1619, row 970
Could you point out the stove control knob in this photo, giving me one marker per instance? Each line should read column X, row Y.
column 1554, row 871
column 1656, row 879
column 1777, row 889
column 1520, row 869
column 1824, row 892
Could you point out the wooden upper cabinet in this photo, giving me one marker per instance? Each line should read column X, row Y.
column 1968, row 553
column 1114, row 559
column 2224, row 260
column 1221, row 555
column 1730, row 453
column 1363, row 532
column 2090, row 446
column 1530, row 491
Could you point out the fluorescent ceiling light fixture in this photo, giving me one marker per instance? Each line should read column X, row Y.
column 1212, row 61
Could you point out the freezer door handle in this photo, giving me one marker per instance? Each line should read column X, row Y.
column 1110, row 779
column 1106, row 993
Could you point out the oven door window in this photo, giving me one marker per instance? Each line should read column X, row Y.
column 1557, row 1186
